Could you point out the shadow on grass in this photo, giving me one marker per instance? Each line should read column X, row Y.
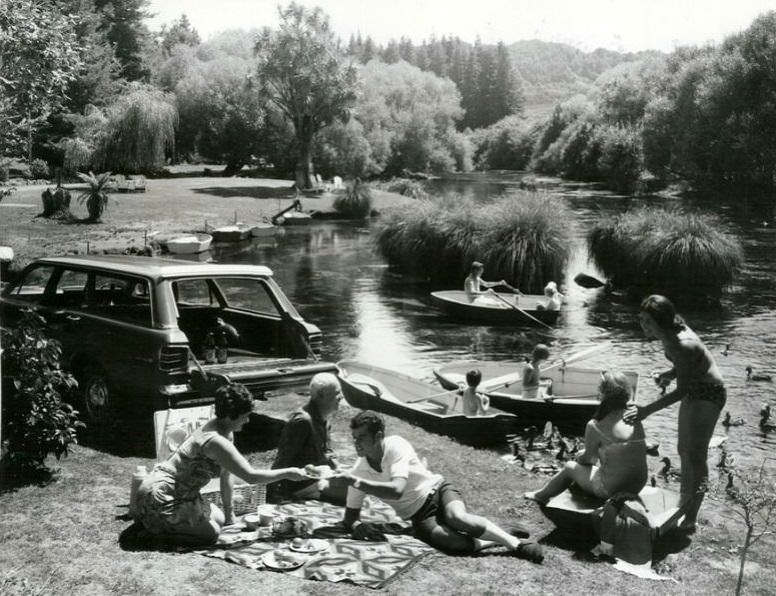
column 253, row 192
column 12, row 479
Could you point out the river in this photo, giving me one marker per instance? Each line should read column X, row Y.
column 331, row 271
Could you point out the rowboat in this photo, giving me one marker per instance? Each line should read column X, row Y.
column 569, row 400
column 189, row 244
column 295, row 218
column 263, row 230
column 233, row 233
column 503, row 308
column 370, row 387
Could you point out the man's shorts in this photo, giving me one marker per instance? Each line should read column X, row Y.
column 432, row 513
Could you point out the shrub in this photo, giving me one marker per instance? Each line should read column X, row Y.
column 667, row 251
column 356, row 202
column 4, row 172
column 622, row 157
column 521, row 237
column 36, row 420
column 39, row 170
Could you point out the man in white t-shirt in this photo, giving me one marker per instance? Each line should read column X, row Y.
column 388, row 468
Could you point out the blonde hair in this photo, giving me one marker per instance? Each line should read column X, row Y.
column 615, row 391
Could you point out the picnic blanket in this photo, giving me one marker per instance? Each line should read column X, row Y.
column 368, row 564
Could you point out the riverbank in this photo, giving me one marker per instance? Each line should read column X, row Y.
column 181, row 204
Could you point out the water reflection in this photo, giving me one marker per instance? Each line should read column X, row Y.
column 331, row 271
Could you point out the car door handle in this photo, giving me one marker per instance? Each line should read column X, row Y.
column 73, row 318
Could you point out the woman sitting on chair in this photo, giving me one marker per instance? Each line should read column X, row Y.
column 614, row 460
column 169, row 504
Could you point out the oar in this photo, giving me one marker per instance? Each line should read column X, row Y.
column 508, row 303
column 579, row 355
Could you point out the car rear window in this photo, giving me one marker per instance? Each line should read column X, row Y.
column 247, row 294
column 126, row 299
column 31, row 287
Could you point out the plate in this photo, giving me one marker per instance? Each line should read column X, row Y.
column 310, row 545
column 272, row 562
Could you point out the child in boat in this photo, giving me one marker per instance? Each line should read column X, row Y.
column 532, row 371
column 474, row 283
column 474, row 403
column 554, row 297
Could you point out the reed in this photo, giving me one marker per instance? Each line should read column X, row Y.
column 677, row 253
column 522, row 237
column 356, row 202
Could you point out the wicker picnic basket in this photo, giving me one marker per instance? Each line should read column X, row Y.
column 245, row 497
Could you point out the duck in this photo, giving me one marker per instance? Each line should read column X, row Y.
column 766, row 426
column 652, row 481
column 765, row 412
column 726, row 351
column 667, row 472
column 653, row 449
column 750, row 376
column 727, row 421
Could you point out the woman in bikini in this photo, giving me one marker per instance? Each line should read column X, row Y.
column 699, row 386
column 614, row 460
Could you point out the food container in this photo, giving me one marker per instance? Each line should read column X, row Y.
column 267, row 515
column 252, row 520
column 289, row 526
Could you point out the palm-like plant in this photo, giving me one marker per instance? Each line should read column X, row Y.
column 95, row 196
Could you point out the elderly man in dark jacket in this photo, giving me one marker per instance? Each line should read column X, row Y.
column 305, row 440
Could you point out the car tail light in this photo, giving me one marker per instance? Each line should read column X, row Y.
column 174, row 358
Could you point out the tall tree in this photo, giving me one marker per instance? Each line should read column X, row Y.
column 124, row 23
column 179, row 32
column 303, row 71
column 39, row 58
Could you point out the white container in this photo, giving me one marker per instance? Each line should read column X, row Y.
column 137, row 479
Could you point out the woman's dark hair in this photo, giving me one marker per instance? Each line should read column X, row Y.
column 541, row 352
column 473, row 377
column 374, row 422
column 615, row 390
column 662, row 311
column 233, row 401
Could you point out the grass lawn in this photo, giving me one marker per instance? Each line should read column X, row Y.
column 168, row 205
column 62, row 536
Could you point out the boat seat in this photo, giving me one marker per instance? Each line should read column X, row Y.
column 431, row 406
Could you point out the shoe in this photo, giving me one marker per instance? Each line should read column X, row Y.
column 519, row 530
column 530, row 551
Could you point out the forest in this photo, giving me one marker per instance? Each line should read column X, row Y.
column 87, row 85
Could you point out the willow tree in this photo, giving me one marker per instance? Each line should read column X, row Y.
column 138, row 133
column 303, row 71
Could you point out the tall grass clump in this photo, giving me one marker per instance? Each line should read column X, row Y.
column 681, row 254
column 356, row 202
column 523, row 238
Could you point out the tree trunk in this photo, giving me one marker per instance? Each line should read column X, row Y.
column 304, row 164
column 744, row 552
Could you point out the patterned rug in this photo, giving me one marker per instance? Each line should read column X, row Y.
column 368, row 564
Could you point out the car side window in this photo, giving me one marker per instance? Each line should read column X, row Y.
column 248, row 294
column 32, row 286
column 120, row 298
column 71, row 289
column 193, row 292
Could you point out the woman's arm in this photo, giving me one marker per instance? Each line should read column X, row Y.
column 682, row 372
column 226, row 495
column 226, row 455
column 589, row 455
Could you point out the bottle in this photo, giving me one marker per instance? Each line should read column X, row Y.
column 210, row 348
column 137, row 479
column 222, row 347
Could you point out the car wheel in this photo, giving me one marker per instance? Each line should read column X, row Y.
column 97, row 398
